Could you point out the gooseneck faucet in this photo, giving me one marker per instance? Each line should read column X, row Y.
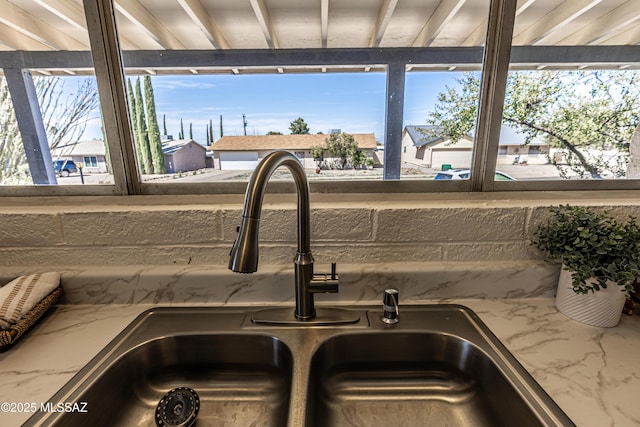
column 244, row 253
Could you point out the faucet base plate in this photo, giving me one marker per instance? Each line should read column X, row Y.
column 324, row 316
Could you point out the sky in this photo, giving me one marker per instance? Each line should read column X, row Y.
column 351, row 102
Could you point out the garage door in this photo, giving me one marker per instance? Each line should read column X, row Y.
column 455, row 158
column 238, row 160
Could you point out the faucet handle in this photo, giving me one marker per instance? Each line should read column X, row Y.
column 321, row 283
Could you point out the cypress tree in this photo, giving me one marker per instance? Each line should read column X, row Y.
column 133, row 112
column 221, row 132
column 181, row 133
column 155, row 143
column 211, row 131
column 207, row 132
column 164, row 123
column 145, row 154
column 190, row 130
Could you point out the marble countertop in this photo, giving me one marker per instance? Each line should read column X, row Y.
column 592, row 373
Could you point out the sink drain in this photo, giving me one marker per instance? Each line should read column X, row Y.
column 179, row 407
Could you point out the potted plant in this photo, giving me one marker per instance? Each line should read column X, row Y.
column 600, row 259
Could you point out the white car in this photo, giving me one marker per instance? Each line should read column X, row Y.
column 466, row 173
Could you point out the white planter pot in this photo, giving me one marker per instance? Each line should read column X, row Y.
column 601, row 308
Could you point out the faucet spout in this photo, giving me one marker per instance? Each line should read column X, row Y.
column 244, row 253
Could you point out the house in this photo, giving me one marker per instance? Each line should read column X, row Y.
column 90, row 153
column 182, row 155
column 244, row 152
column 422, row 146
column 513, row 143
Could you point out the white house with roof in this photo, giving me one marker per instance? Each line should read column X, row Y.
column 513, row 145
column 244, row 152
column 91, row 153
column 423, row 146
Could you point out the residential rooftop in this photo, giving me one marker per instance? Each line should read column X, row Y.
column 284, row 142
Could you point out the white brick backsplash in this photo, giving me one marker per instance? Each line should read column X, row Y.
column 28, row 230
column 193, row 230
column 142, row 227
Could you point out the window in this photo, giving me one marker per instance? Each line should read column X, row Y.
column 90, row 161
column 247, row 115
column 414, row 64
column 573, row 114
column 49, row 112
column 430, row 150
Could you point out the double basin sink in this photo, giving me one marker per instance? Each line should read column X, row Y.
column 439, row 365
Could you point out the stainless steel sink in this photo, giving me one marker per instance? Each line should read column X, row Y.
column 440, row 365
column 407, row 378
column 237, row 377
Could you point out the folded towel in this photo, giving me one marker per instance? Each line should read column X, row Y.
column 19, row 296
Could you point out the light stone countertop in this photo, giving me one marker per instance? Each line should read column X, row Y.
column 592, row 373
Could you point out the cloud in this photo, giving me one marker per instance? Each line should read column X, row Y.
column 172, row 83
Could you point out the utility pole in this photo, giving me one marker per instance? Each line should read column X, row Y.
column 244, row 123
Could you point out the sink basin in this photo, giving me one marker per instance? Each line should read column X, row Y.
column 410, row 379
column 440, row 365
column 239, row 378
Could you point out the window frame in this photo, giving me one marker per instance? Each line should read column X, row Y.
column 92, row 163
column 494, row 60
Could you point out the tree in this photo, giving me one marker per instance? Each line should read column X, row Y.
column 358, row 158
column 65, row 117
column 142, row 136
column 344, row 147
column 191, row 130
column 133, row 113
column 164, row 124
column 132, row 108
column 181, row 133
column 207, row 133
column 211, row 131
column 65, row 114
column 14, row 168
column 317, row 151
column 273, row 132
column 155, row 143
column 298, row 127
column 579, row 113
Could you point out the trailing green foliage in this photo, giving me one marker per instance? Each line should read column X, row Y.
column 592, row 245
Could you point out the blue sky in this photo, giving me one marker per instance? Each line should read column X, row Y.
column 352, row 102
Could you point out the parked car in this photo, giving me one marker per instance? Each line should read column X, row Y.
column 466, row 173
column 64, row 167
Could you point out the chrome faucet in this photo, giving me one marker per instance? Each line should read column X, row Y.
column 244, row 253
